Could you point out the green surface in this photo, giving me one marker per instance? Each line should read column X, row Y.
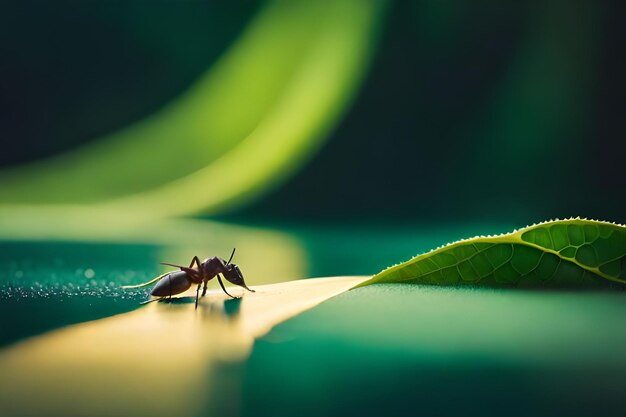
column 573, row 252
column 45, row 285
column 393, row 349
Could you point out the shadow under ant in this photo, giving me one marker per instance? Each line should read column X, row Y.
column 232, row 307
column 229, row 307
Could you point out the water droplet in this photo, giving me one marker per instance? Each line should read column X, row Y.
column 89, row 273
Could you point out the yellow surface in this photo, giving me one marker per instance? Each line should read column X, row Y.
column 157, row 360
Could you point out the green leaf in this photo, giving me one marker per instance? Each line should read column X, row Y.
column 255, row 117
column 574, row 252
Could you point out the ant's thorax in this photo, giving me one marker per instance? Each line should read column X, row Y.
column 213, row 266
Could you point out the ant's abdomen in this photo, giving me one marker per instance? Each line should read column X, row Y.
column 172, row 284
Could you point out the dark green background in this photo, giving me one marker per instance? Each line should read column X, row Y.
column 424, row 141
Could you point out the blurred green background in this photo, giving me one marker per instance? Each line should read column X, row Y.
column 495, row 110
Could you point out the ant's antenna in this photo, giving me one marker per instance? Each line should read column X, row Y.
column 231, row 256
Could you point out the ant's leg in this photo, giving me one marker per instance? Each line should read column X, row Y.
column 222, row 285
column 174, row 265
column 196, row 261
column 191, row 271
column 197, row 293
column 206, row 281
column 195, row 273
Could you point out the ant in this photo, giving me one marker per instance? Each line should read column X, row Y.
column 180, row 281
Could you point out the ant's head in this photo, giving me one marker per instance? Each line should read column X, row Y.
column 233, row 274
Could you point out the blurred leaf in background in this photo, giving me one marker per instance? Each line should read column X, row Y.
column 252, row 119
